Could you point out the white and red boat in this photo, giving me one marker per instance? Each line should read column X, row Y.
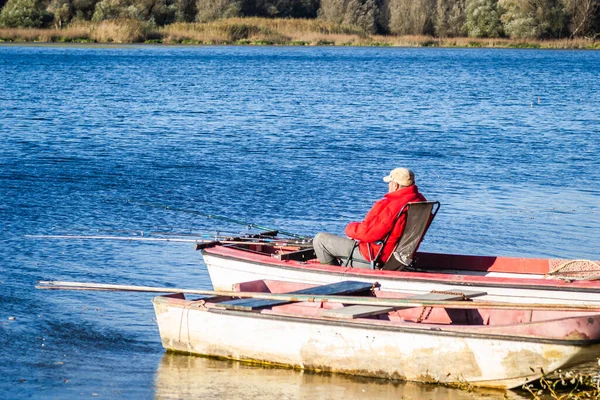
column 508, row 279
column 436, row 337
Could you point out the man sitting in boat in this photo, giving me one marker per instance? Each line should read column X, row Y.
column 375, row 226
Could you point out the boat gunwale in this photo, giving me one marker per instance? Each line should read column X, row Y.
column 426, row 329
column 536, row 284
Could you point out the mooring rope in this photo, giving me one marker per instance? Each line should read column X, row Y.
column 574, row 269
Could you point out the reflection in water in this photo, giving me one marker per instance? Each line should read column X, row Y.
column 185, row 377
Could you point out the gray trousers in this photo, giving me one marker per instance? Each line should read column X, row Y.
column 330, row 247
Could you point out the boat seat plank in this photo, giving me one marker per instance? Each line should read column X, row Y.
column 338, row 288
column 360, row 311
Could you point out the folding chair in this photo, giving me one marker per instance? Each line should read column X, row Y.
column 419, row 216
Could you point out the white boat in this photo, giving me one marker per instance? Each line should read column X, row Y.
column 507, row 279
column 498, row 348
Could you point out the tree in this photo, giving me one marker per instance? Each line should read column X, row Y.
column 536, row 19
column 483, row 18
column 281, row 8
column 107, row 9
column 209, row 10
column 450, row 18
column 581, row 15
column 411, row 17
column 161, row 12
column 362, row 13
column 24, row 14
column 62, row 12
column 333, row 10
column 186, row 11
column 83, row 10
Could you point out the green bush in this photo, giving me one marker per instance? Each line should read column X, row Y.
column 61, row 11
column 280, row 8
column 533, row 19
column 483, row 18
column 83, row 10
column 361, row 13
column 159, row 12
column 210, row 10
column 106, row 10
column 450, row 18
column 24, row 14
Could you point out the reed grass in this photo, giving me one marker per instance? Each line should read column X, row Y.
column 261, row 31
column 120, row 31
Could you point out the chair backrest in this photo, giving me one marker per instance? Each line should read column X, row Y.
column 419, row 216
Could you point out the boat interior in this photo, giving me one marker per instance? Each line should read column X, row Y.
column 547, row 321
column 491, row 266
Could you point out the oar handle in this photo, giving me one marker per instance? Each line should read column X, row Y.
column 391, row 302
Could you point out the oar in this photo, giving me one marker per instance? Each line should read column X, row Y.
column 389, row 302
column 219, row 217
column 268, row 242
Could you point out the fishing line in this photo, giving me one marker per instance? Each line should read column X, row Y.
column 218, row 217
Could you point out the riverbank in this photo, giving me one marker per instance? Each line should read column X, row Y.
column 261, row 31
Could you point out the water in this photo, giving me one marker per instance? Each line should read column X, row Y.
column 294, row 138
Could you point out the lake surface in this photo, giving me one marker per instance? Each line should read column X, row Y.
column 290, row 138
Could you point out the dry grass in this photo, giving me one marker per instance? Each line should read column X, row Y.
column 257, row 30
column 70, row 34
column 262, row 31
column 118, row 31
column 290, row 26
column 125, row 31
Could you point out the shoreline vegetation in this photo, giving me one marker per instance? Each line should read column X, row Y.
column 263, row 31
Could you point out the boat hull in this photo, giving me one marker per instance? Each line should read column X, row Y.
column 366, row 349
column 228, row 268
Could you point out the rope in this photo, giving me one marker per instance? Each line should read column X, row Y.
column 572, row 262
column 574, row 269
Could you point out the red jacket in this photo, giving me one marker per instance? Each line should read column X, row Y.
column 378, row 222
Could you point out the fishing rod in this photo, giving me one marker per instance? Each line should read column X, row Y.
column 165, row 231
column 224, row 240
column 219, row 217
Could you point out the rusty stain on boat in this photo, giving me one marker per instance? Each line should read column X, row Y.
column 514, row 360
column 576, row 335
column 550, row 354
